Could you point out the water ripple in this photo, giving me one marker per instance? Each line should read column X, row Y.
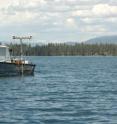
column 64, row 90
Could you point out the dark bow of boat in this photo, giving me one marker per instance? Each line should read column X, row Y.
column 15, row 69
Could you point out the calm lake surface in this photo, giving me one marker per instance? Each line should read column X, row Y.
column 64, row 90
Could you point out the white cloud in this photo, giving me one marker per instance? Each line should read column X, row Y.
column 104, row 10
column 88, row 20
column 99, row 10
column 112, row 20
column 97, row 28
column 70, row 22
column 82, row 13
column 59, row 16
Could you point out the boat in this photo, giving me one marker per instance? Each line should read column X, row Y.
column 10, row 66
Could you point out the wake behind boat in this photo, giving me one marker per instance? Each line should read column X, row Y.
column 14, row 66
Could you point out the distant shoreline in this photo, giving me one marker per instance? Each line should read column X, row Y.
column 72, row 56
column 62, row 49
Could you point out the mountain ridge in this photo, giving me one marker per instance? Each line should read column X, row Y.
column 111, row 39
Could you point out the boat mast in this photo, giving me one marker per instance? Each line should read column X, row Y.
column 22, row 38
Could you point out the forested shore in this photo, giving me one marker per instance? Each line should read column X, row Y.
column 62, row 49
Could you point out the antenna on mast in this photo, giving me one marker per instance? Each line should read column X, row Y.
column 22, row 38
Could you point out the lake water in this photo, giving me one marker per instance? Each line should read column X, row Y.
column 64, row 90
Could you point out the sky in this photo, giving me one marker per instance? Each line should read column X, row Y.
column 57, row 20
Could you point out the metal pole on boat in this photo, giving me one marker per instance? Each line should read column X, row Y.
column 21, row 57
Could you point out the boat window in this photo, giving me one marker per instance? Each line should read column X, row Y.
column 2, row 51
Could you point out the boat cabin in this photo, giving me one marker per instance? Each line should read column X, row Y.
column 4, row 54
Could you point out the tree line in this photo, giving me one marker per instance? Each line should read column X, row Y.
column 62, row 49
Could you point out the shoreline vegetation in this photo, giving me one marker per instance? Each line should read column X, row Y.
column 63, row 49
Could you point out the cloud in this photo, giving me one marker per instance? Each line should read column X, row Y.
column 99, row 10
column 97, row 28
column 58, row 17
column 70, row 22
column 104, row 10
